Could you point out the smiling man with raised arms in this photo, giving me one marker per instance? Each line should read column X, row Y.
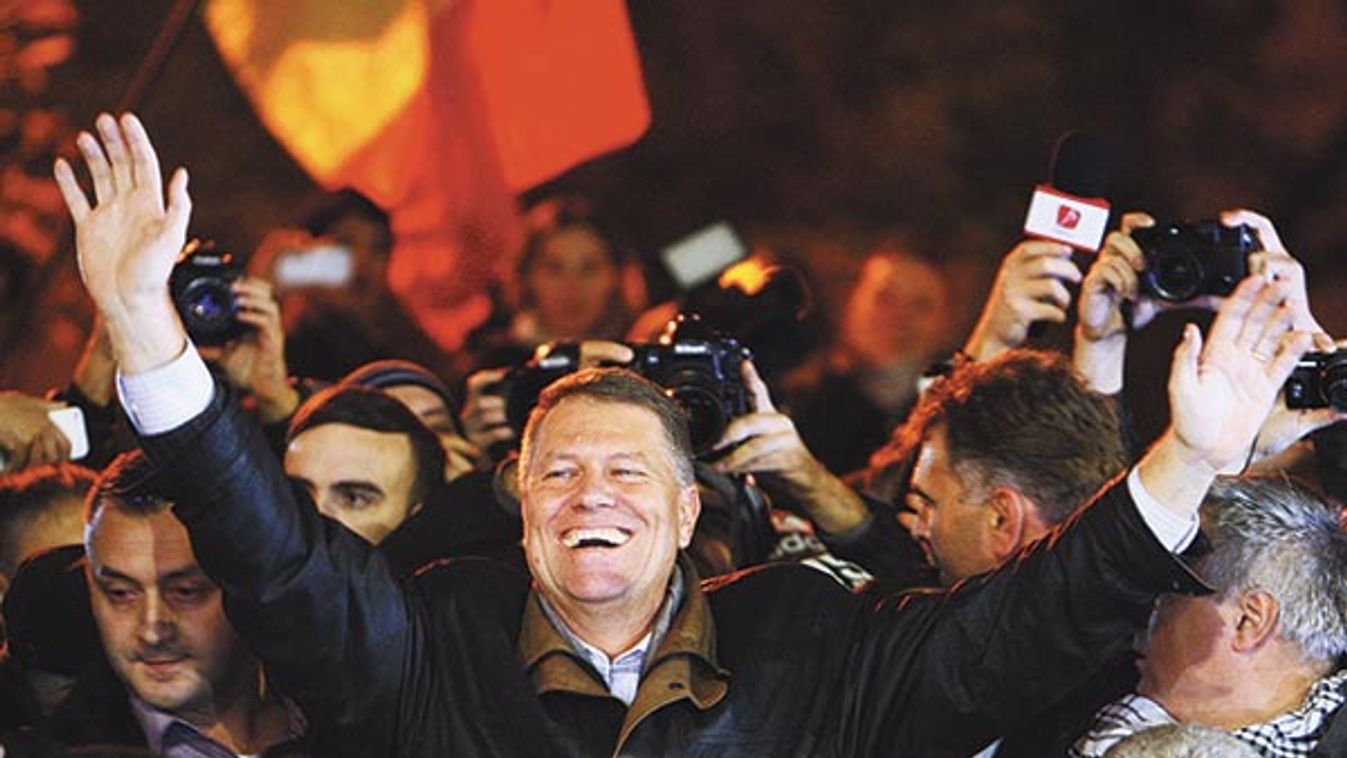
column 613, row 647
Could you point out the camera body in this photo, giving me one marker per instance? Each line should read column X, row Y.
column 698, row 367
column 1319, row 380
column 1191, row 259
column 201, row 286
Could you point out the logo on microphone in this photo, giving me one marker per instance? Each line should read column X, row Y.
column 1067, row 217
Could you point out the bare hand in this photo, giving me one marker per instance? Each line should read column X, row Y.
column 483, row 414
column 1029, row 287
column 255, row 362
column 27, row 435
column 1221, row 393
column 128, row 241
column 766, row 444
column 1277, row 264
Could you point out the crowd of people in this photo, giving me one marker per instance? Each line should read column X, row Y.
column 327, row 536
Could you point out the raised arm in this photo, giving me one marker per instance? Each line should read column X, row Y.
column 999, row 645
column 318, row 608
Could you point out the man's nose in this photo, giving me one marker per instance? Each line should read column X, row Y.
column 156, row 620
column 596, row 491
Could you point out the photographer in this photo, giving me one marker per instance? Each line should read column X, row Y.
column 254, row 362
column 331, row 278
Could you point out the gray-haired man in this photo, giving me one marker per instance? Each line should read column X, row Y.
column 1259, row 657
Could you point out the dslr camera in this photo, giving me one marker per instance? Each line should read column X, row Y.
column 697, row 366
column 201, row 288
column 700, row 369
column 1192, row 259
column 1319, row 380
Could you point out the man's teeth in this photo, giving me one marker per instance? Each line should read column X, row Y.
column 595, row 537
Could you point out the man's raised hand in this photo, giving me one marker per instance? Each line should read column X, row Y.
column 1221, row 391
column 128, row 239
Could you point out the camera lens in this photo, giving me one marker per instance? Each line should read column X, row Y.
column 1175, row 274
column 706, row 417
column 207, row 308
column 1334, row 385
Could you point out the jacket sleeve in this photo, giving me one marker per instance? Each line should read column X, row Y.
column 317, row 605
column 946, row 673
column 884, row 548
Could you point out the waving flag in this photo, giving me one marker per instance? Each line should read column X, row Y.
column 441, row 111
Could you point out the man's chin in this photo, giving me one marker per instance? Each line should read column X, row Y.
column 167, row 691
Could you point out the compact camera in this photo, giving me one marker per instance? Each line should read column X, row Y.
column 201, row 285
column 1192, row 259
column 697, row 367
column 1318, row 381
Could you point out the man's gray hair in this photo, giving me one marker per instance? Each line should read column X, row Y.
column 619, row 386
column 1274, row 534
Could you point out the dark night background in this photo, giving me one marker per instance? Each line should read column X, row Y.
column 820, row 128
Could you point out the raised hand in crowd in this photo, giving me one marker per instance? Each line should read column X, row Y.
column 765, row 443
column 28, row 437
column 1029, row 287
column 128, row 240
column 1221, row 391
column 255, row 362
column 1285, row 426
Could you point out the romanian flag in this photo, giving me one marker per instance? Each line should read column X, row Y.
column 441, row 111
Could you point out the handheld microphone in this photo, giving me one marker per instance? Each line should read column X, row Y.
column 1071, row 207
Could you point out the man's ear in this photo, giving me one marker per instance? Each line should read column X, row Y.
column 689, row 508
column 1008, row 516
column 1257, row 616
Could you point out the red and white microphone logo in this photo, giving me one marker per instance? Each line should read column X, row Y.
column 1067, row 217
column 1076, row 221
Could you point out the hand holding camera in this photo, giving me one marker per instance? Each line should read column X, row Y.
column 696, row 365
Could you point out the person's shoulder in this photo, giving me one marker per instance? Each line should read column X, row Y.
column 476, row 577
column 776, row 586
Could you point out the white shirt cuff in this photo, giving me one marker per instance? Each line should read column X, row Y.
column 1174, row 532
column 167, row 397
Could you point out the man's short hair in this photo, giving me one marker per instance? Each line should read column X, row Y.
column 129, row 483
column 28, row 497
column 615, row 385
column 1025, row 420
column 1274, row 534
column 377, row 411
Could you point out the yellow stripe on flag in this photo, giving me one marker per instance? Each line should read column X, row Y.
column 325, row 77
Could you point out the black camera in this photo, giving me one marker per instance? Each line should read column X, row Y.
column 1191, row 259
column 522, row 385
column 201, row 285
column 697, row 366
column 700, row 368
column 1318, row 381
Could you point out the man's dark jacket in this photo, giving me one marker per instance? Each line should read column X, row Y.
column 793, row 665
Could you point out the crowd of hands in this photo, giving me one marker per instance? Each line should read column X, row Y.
column 1267, row 316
